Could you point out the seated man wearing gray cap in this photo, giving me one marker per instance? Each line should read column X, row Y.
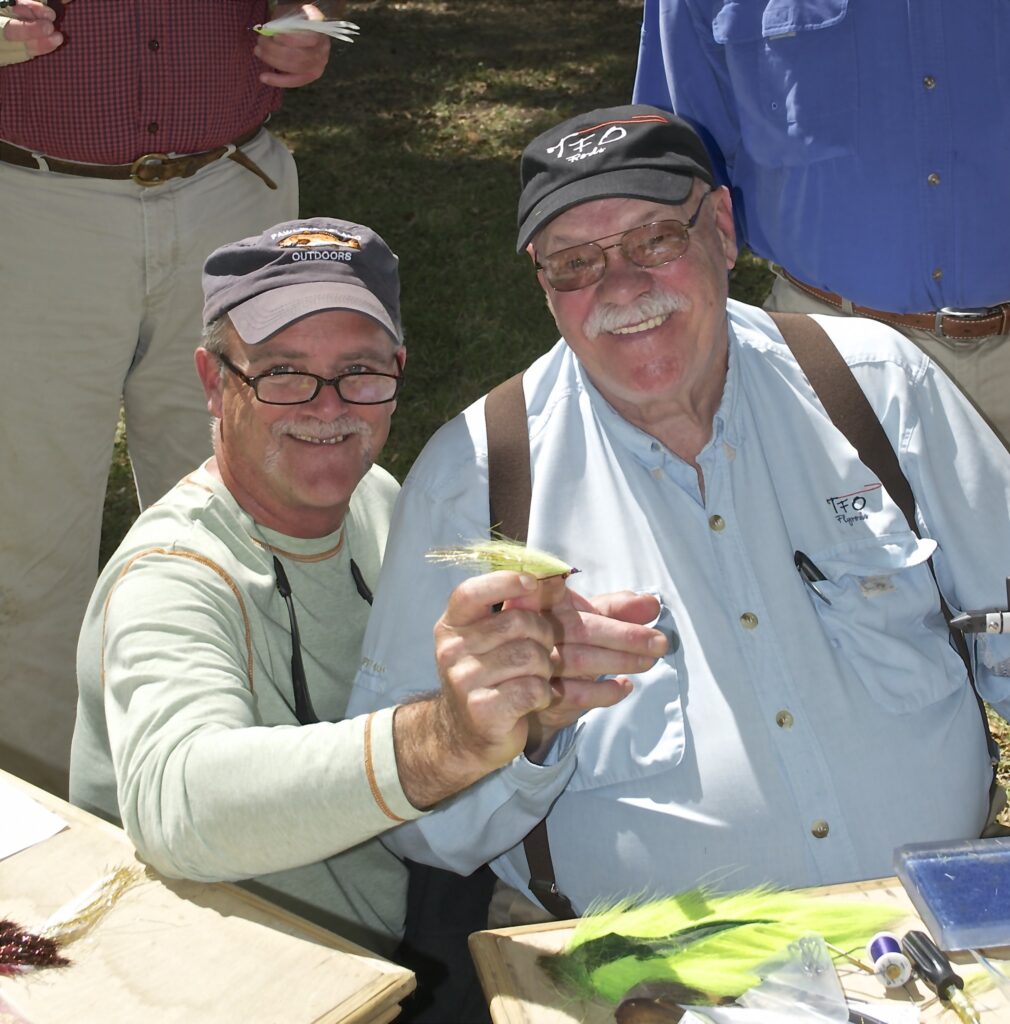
column 221, row 641
column 812, row 713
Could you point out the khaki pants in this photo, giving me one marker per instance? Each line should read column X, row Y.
column 100, row 302
column 981, row 370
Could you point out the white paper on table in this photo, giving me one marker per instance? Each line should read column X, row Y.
column 23, row 821
column 10, row 1014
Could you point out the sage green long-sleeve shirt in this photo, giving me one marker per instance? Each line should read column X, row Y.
column 186, row 731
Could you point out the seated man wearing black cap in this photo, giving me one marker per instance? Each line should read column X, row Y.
column 811, row 713
column 219, row 648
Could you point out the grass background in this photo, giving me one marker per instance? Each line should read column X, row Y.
column 416, row 130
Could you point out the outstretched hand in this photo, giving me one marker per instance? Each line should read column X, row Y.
column 511, row 679
column 598, row 644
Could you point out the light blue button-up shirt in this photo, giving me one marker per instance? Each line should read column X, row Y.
column 868, row 141
column 783, row 739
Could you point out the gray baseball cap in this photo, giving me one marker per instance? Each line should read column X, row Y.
column 292, row 270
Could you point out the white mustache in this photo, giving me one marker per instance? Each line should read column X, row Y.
column 321, row 430
column 657, row 302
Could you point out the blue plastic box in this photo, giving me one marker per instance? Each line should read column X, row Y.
column 961, row 890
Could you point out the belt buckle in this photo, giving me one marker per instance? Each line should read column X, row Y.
column 149, row 162
column 972, row 313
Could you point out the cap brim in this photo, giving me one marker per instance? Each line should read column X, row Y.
column 258, row 319
column 647, row 183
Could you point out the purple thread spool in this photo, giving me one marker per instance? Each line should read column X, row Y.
column 890, row 965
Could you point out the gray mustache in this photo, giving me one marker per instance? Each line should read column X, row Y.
column 658, row 302
column 322, row 430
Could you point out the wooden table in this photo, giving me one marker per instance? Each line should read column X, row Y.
column 519, row 992
column 172, row 951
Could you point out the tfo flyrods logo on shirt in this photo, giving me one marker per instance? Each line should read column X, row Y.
column 854, row 507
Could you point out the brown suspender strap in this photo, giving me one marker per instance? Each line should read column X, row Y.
column 851, row 413
column 509, row 493
column 509, row 479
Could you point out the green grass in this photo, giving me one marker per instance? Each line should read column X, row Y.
column 416, row 130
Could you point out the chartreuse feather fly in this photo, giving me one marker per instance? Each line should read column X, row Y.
column 345, row 31
column 501, row 553
column 708, row 942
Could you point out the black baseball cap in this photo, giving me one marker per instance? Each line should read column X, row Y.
column 269, row 281
column 633, row 152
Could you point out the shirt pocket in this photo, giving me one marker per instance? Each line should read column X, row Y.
column 885, row 623
column 642, row 735
column 792, row 64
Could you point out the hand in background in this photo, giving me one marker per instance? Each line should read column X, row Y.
column 296, row 58
column 27, row 30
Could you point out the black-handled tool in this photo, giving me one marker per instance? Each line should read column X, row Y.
column 936, row 971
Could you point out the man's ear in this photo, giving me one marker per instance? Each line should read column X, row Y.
column 531, row 252
column 725, row 226
column 208, row 368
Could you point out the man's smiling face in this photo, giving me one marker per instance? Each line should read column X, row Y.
column 647, row 336
column 294, row 467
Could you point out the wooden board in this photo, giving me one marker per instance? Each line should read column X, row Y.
column 519, row 992
column 181, row 951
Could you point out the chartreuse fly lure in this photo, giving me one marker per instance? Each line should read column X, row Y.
column 501, row 553
column 711, row 945
column 345, row 31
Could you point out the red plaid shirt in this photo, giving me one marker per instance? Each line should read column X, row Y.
column 140, row 76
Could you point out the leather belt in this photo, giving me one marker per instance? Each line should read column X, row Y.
column 949, row 324
column 147, row 170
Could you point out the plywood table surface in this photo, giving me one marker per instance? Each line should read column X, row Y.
column 519, row 992
column 172, row 951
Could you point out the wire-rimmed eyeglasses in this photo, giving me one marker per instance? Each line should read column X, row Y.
column 295, row 387
column 649, row 245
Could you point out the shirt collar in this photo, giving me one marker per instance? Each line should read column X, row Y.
column 653, row 454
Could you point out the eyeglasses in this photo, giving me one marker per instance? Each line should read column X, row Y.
column 289, row 387
column 650, row 245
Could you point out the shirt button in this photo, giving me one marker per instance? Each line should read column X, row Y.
column 784, row 720
column 819, row 829
column 934, row 179
column 153, row 45
column 929, row 82
column 153, row 128
column 749, row 620
column 937, row 274
column 717, row 523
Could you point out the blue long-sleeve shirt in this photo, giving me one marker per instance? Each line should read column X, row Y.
column 867, row 142
column 782, row 739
